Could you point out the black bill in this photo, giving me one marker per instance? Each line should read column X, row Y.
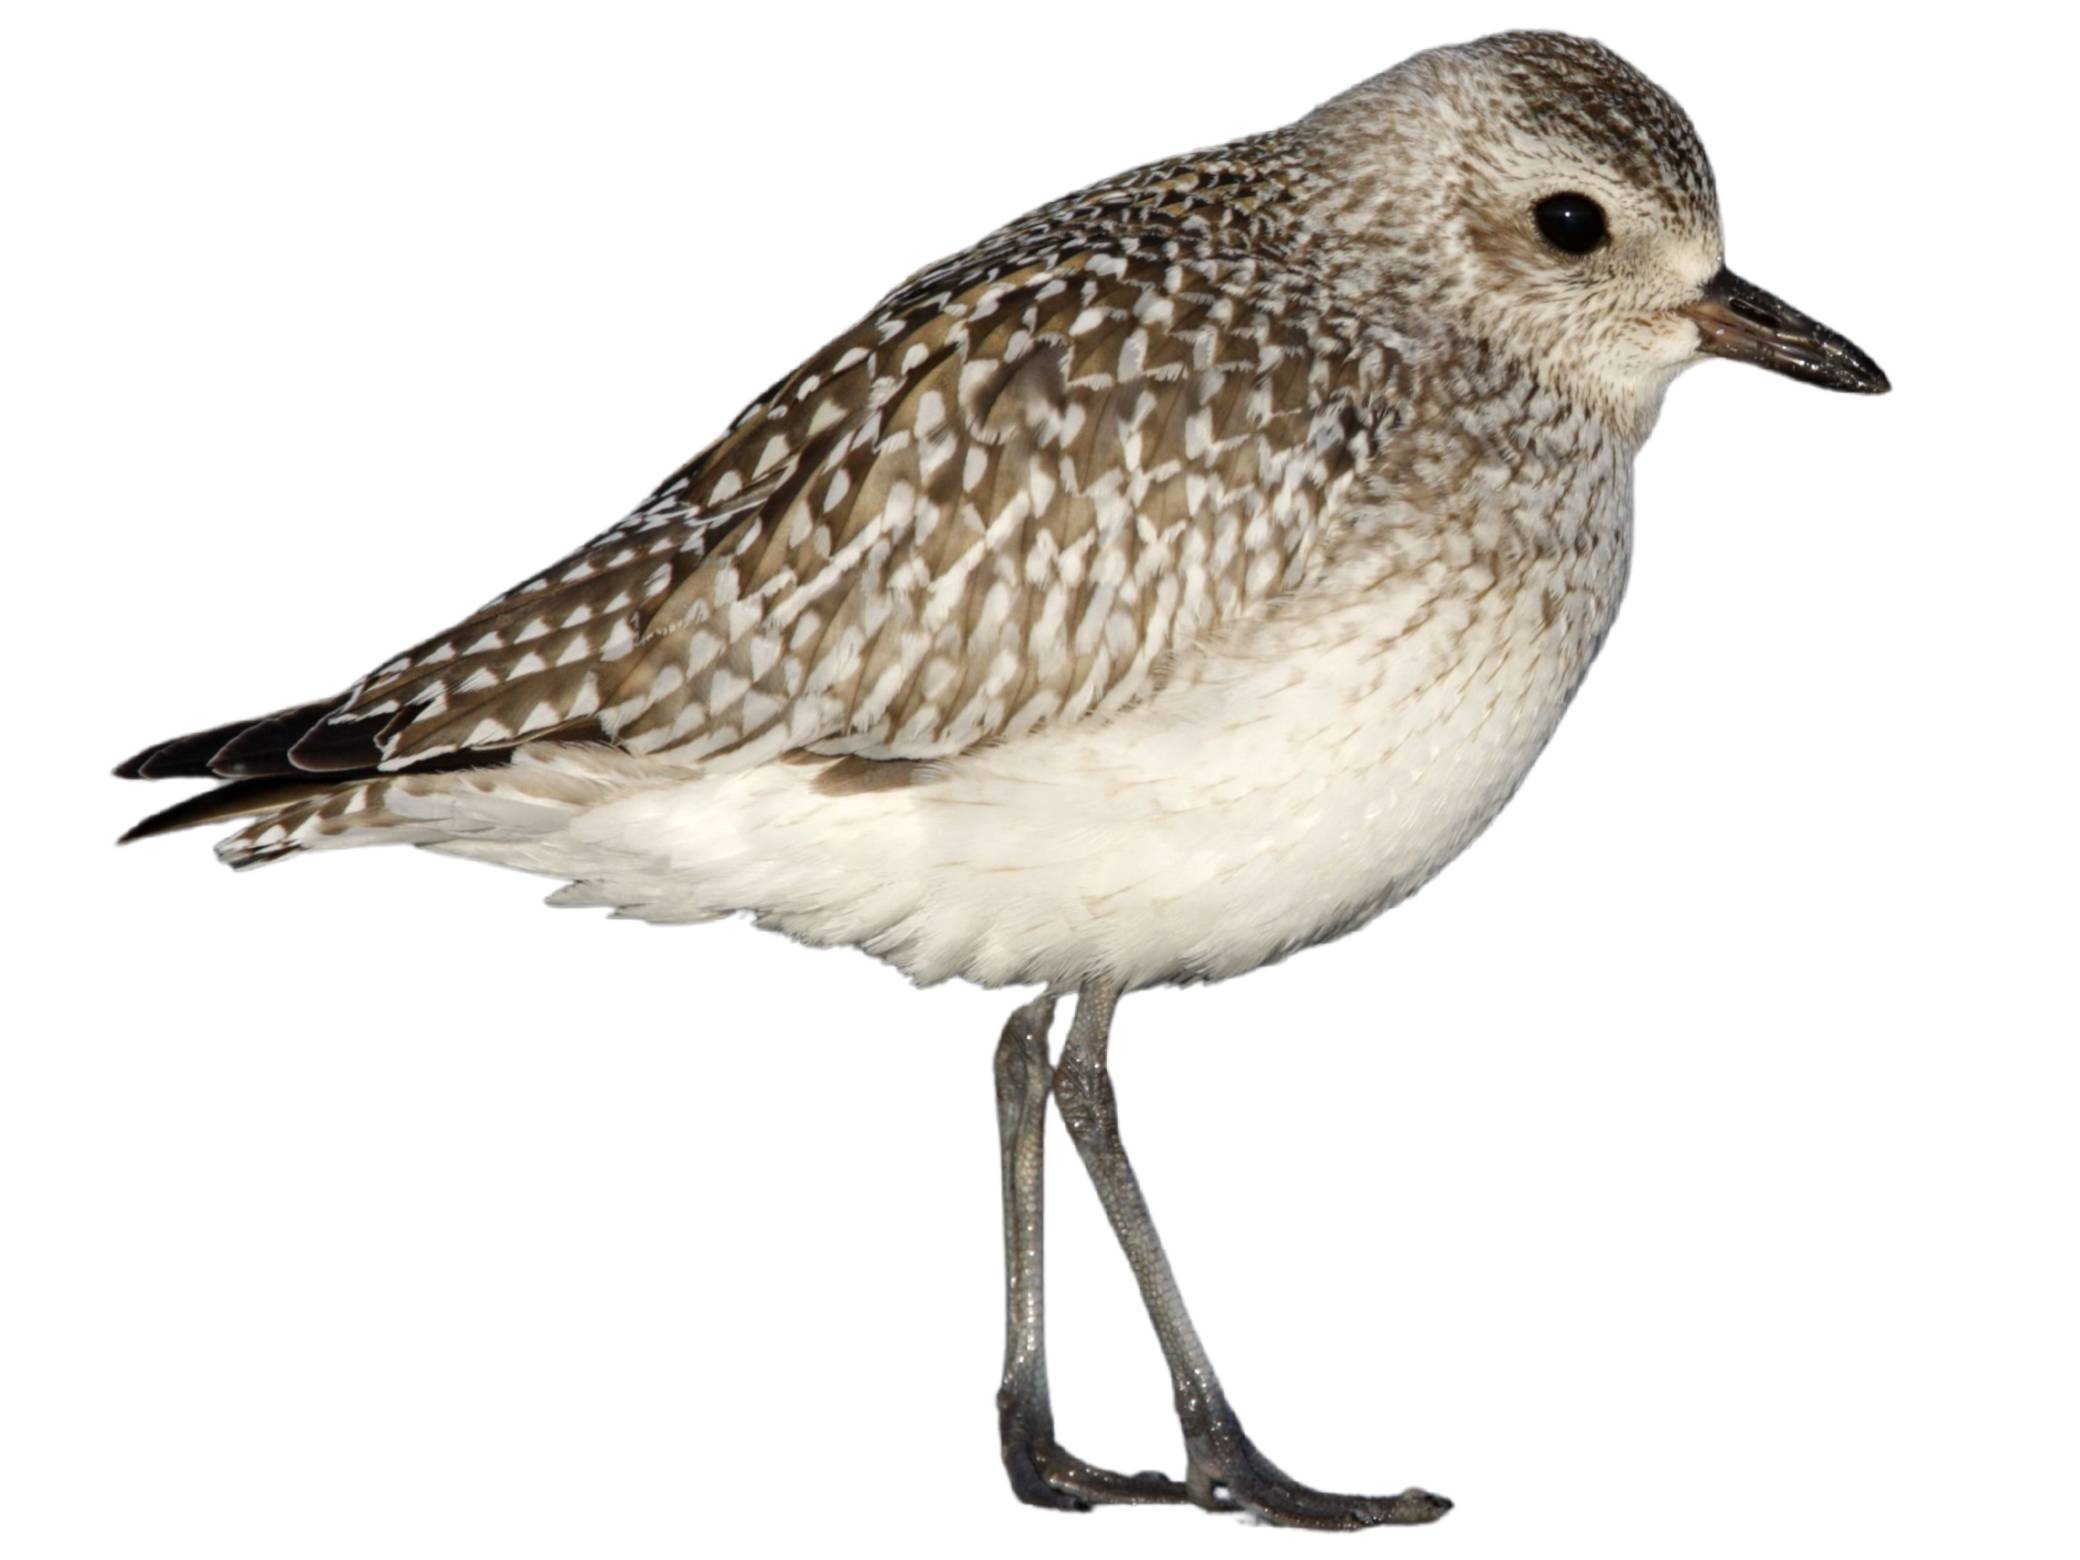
column 1739, row 320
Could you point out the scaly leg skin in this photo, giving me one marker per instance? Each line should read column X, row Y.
column 1042, row 1474
column 1226, row 1470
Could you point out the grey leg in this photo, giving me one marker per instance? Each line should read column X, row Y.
column 1042, row 1474
column 1225, row 1468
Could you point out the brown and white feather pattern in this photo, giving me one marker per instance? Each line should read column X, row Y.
column 992, row 504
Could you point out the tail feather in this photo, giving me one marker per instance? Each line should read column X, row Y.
column 494, row 806
column 238, row 799
column 260, row 778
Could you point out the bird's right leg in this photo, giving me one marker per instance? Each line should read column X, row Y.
column 1226, row 1469
column 1042, row 1474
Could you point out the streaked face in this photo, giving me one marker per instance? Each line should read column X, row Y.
column 1586, row 264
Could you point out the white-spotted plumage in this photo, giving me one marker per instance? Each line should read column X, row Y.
column 1178, row 577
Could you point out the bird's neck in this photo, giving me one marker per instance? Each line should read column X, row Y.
column 1492, row 469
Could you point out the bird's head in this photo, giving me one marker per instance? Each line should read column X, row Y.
column 1539, row 194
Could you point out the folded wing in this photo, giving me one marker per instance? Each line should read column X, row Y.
column 996, row 503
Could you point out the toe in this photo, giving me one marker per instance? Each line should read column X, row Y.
column 1252, row 1481
column 1043, row 1474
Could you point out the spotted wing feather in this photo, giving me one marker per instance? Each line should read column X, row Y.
column 999, row 513
column 995, row 503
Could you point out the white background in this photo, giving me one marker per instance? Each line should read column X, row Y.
column 1689, row 1172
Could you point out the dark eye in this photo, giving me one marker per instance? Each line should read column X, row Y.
column 1572, row 224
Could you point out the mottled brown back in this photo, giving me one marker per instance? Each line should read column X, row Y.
column 996, row 502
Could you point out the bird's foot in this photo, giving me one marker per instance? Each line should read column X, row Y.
column 1043, row 1474
column 1228, row 1473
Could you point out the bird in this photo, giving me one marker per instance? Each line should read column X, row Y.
column 1175, row 579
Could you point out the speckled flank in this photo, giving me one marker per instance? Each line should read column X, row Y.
column 1177, row 577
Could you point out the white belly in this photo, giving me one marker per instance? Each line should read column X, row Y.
column 1285, row 785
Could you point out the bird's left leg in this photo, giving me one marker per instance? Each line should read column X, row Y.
column 1042, row 1474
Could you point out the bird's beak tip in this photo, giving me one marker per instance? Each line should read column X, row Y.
column 1736, row 319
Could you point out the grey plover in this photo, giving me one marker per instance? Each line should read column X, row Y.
column 1177, row 578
